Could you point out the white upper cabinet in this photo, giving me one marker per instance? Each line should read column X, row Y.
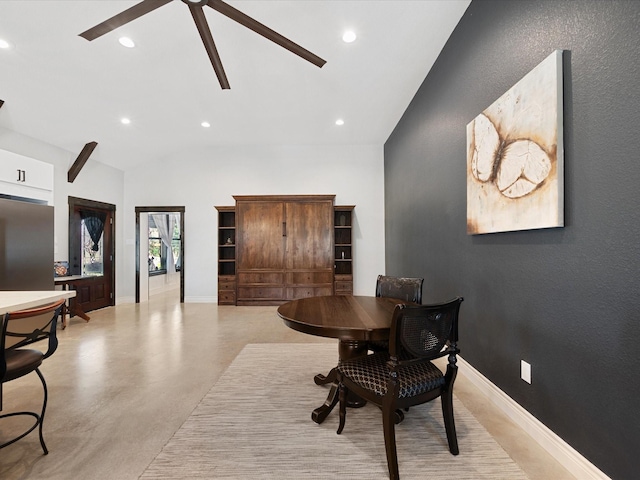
column 25, row 177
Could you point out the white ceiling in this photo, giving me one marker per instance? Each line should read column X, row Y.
column 66, row 91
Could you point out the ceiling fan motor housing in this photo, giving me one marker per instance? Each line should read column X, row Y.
column 196, row 3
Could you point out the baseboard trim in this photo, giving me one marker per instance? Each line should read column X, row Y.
column 568, row 457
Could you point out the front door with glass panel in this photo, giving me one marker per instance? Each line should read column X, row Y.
column 91, row 252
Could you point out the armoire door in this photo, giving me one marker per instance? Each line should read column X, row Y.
column 260, row 251
column 309, row 249
column 309, row 235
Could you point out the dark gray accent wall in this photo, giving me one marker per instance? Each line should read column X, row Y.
column 566, row 300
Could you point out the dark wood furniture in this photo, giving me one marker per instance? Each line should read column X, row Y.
column 275, row 248
column 407, row 288
column 353, row 320
column 405, row 376
column 343, row 267
column 77, row 283
column 226, row 255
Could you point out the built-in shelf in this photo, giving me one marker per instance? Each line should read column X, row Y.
column 343, row 249
column 226, row 255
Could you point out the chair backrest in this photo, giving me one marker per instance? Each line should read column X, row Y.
column 24, row 327
column 405, row 288
column 425, row 331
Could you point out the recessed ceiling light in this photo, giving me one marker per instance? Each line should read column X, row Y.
column 340, row 122
column 126, row 42
column 125, row 121
column 349, row 36
column 205, row 124
column 4, row 43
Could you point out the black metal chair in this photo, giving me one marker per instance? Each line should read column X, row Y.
column 405, row 288
column 405, row 376
column 20, row 329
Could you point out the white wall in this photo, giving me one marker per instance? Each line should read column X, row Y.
column 95, row 181
column 200, row 180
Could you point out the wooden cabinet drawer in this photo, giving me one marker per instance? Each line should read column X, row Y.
column 308, row 278
column 226, row 297
column 344, row 288
column 226, row 285
column 263, row 293
column 269, row 278
column 294, row 293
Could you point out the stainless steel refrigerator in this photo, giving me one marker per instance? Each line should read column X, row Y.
column 26, row 245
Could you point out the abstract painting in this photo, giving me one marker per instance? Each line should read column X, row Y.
column 515, row 156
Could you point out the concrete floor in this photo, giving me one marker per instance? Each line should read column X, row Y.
column 122, row 384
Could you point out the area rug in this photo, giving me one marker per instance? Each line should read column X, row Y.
column 255, row 423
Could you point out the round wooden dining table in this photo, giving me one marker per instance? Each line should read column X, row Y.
column 353, row 320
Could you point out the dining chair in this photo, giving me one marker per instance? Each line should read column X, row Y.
column 405, row 288
column 408, row 289
column 405, row 375
column 21, row 329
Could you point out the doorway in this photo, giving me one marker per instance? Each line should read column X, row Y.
column 92, row 252
column 159, row 248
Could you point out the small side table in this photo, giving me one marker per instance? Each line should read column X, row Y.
column 74, row 308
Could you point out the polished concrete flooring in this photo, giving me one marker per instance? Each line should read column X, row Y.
column 122, row 384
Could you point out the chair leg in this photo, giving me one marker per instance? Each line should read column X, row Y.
column 44, row 408
column 449, row 423
column 388, row 423
column 39, row 418
column 342, row 394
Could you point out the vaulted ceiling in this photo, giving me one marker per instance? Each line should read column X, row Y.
column 66, row 91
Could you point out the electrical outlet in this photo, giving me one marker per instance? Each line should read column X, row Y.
column 525, row 371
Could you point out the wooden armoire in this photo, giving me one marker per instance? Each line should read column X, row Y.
column 283, row 246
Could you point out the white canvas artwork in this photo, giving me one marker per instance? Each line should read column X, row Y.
column 515, row 156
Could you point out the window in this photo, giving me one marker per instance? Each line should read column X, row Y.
column 161, row 258
column 92, row 258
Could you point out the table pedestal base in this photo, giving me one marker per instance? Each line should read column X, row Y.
column 346, row 349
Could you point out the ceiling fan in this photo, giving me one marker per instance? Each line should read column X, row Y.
column 197, row 12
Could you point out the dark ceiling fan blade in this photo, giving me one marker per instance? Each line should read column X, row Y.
column 123, row 17
column 265, row 31
column 205, row 33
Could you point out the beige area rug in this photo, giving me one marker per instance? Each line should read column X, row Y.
column 255, row 423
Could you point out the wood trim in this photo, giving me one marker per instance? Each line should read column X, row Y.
column 80, row 161
column 284, row 198
column 82, row 202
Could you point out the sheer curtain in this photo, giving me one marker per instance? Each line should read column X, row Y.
column 174, row 220
column 165, row 223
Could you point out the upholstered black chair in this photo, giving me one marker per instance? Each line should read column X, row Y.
column 405, row 375
column 21, row 329
column 404, row 288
